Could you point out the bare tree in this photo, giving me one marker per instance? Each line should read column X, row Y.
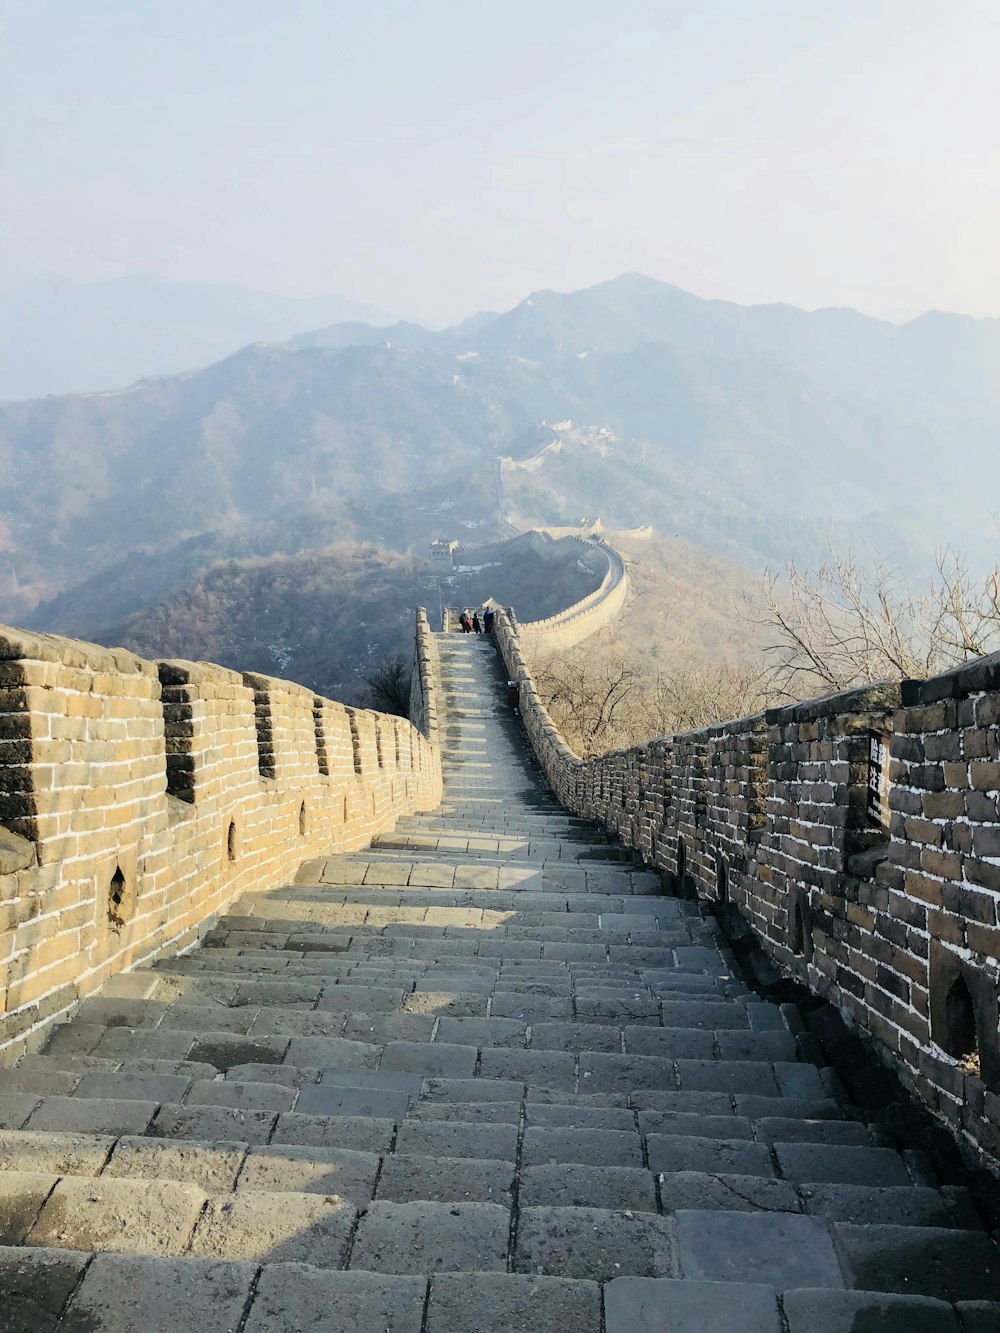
column 388, row 685
column 697, row 692
column 840, row 625
column 587, row 697
column 816, row 631
column 601, row 698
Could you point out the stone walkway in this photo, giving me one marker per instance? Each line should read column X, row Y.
column 481, row 1077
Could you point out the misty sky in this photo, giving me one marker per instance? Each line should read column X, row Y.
column 442, row 156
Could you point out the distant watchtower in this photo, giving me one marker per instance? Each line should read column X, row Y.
column 442, row 554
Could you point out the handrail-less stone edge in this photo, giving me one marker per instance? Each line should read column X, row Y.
column 768, row 813
column 592, row 612
column 583, row 618
column 138, row 799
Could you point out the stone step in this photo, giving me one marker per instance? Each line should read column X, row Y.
column 443, row 1159
column 462, row 1082
column 594, row 974
column 448, row 1032
column 124, row 1291
column 133, row 1214
column 636, row 1305
column 667, row 930
column 305, row 902
column 568, row 834
column 557, row 1061
column 652, row 947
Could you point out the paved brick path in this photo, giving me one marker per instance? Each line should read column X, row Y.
column 482, row 1077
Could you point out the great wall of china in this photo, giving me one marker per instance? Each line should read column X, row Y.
column 138, row 799
column 769, row 814
column 319, row 1018
column 592, row 612
column 167, row 788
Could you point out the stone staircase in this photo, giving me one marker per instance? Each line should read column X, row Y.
column 481, row 1077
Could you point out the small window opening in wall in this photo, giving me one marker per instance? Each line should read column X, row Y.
column 797, row 933
column 345, row 809
column 116, row 899
column 303, row 820
column 178, row 732
column 961, row 1035
column 800, row 930
column 232, row 842
column 378, row 744
column 722, row 878
column 681, row 860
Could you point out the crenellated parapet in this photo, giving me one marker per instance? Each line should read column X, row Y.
column 591, row 613
column 425, row 682
column 137, row 799
column 891, row 913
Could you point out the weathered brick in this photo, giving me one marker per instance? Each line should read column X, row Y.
column 943, row 804
column 948, row 865
column 986, row 841
column 983, row 939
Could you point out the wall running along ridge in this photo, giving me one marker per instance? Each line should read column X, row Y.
column 138, row 799
column 588, row 615
column 900, row 931
column 583, row 618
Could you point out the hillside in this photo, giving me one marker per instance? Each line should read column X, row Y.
column 323, row 618
column 684, row 601
column 757, row 432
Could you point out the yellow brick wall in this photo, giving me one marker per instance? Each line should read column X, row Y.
column 85, row 809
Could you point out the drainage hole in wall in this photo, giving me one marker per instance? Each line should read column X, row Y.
column 116, row 898
column 232, row 841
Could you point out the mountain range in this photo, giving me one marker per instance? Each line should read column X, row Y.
column 757, row 432
column 58, row 336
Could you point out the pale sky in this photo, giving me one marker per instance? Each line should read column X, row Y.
column 434, row 157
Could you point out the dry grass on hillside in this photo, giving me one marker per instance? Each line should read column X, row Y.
column 686, row 601
column 682, row 655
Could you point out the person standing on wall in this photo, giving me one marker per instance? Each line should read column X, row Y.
column 475, row 622
column 488, row 620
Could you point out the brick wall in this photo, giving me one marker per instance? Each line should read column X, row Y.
column 898, row 928
column 137, row 799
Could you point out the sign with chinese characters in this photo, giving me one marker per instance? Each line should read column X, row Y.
column 878, row 778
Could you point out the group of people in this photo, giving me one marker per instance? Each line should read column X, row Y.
column 474, row 624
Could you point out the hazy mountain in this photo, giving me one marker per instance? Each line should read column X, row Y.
column 355, row 333
column 937, row 362
column 58, row 336
column 365, row 443
column 754, row 431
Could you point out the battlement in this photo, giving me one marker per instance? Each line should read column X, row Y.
column 137, row 799
column 585, row 617
column 769, row 817
column 590, row 613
